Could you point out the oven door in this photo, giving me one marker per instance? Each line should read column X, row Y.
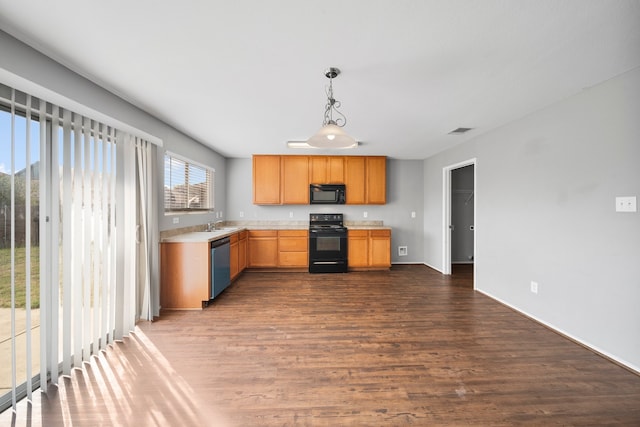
column 327, row 251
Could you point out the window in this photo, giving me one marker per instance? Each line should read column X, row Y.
column 188, row 187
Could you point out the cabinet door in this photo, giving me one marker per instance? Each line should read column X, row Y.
column 335, row 170
column 380, row 248
column 295, row 180
column 234, row 259
column 354, row 179
column 242, row 251
column 266, row 180
column 318, row 169
column 376, row 184
column 357, row 243
column 263, row 248
column 326, row 169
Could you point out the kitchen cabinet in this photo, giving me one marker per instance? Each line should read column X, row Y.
column 354, row 179
column 234, row 256
column 185, row 271
column 369, row 249
column 380, row 248
column 295, row 180
column 358, row 248
column 238, row 248
column 185, row 275
column 242, row 250
column 262, row 248
column 326, row 169
column 376, row 180
column 266, row 180
column 293, row 248
column 285, row 180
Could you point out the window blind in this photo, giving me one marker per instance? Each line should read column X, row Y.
column 71, row 204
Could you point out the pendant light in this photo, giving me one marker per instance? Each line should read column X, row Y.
column 331, row 134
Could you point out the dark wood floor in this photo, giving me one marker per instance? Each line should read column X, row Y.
column 404, row 347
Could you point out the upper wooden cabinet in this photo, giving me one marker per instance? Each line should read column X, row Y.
column 266, row 180
column 281, row 180
column 326, row 169
column 354, row 179
column 376, row 180
column 295, row 180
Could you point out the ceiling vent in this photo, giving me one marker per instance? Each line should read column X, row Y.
column 459, row 131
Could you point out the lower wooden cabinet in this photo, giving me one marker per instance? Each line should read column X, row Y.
column 278, row 249
column 262, row 248
column 242, row 249
column 185, row 275
column 293, row 248
column 185, row 271
column 380, row 248
column 369, row 249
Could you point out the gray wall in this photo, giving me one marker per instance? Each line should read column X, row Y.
column 404, row 195
column 546, row 186
column 37, row 69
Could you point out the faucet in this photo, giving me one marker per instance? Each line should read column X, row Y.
column 212, row 226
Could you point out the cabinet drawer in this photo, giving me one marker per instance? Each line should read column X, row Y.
column 293, row 233
column 263, row 233
column 243, row 234
column 380, row 233
column 233, row 238
column 358, row 233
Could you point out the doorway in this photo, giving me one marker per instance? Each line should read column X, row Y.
column 459, row 213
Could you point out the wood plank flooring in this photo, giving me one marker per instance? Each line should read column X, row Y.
column 403, row 347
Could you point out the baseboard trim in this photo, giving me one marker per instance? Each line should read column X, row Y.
column 614, row 359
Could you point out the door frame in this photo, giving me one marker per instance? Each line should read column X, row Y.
column 446, row 214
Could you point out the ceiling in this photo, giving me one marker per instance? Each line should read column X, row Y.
column 247, row 76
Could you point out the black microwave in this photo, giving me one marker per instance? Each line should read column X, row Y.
column 327, row 194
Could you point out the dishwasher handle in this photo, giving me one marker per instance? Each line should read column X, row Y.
column 220, row 242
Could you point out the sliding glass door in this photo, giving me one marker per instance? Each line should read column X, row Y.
column 73, row 277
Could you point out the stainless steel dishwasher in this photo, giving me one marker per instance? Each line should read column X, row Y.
column 220, row 271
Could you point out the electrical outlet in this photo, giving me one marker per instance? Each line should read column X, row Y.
column 402, row 251
column 534, row 287
column 365, row 214
column 241, row 214
column 626, row 204
column 413, row 214
column 176, row 220
column 290, row 214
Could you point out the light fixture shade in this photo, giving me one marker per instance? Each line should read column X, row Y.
column 332, row 136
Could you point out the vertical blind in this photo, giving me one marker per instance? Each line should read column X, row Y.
column 72, row 194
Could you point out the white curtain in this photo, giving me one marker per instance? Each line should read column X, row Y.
column 147, row 229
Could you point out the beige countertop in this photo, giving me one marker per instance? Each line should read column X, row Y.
column 232, row 227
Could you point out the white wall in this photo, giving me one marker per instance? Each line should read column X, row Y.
column 37, row 71
column 546, row 186
column 404, row 195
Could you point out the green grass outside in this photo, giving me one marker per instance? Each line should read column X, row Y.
column 20, row 277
